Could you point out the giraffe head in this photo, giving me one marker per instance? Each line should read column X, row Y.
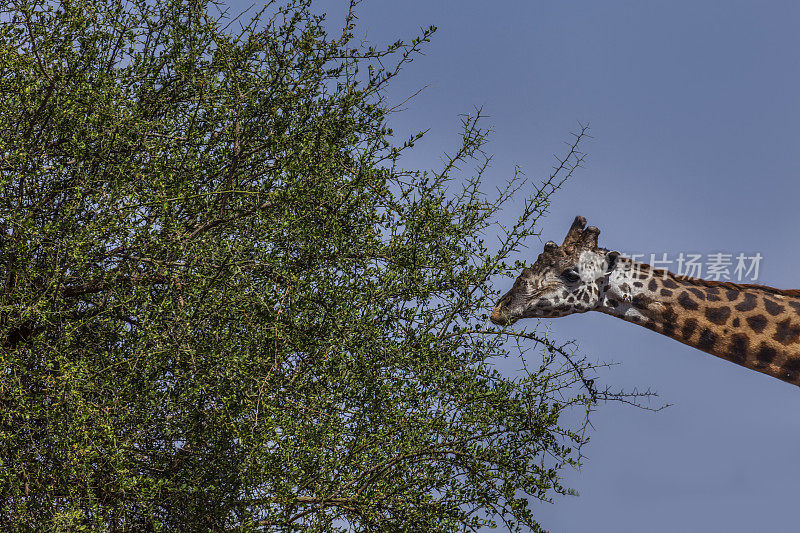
column 565, row 279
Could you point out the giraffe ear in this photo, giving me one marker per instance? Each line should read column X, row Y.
column 611, row 259
column 550, row 246
column 575, row 231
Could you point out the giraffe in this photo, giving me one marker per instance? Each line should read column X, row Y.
column 754, row 326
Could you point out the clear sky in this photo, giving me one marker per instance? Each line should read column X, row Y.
column 695, row 112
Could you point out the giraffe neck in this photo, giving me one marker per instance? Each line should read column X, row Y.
column 751, row 325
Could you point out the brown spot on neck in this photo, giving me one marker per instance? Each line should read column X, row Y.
column 718, row 315
column 757, row 323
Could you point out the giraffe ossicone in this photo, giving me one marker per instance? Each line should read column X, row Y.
column 754, row 326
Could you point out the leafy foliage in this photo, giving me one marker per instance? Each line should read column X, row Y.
column 226, row 306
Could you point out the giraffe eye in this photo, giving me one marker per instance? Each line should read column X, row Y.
column 571, row 275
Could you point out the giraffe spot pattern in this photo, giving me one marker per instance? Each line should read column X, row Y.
column 757, row 323
column 688, row 328
column 707, row 339
column 668, row 283
column 748, row 304
column 666, row 292
column 791, row 368
column 641, row 301
column 738, row 347
column 773, row 307
column 686, row 301
column 697, row 292
column 718, row 315
column 786, row 332
column 766, row 354
column 652, row 286
column 670, row 321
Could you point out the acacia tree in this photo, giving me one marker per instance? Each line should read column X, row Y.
column 226, row 305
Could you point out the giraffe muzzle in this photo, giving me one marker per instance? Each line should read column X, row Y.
column 500, row 317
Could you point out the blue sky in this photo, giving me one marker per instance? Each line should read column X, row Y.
column 695, row 112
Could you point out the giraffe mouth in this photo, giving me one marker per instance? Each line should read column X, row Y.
column 502, row 318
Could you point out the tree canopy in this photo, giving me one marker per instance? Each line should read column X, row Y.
column 226, row 305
